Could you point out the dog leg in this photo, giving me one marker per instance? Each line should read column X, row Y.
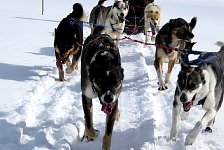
column 158, row 64
column 74, row 64
column 61, row 74
column 209, row 115
column 109, row 128
column 146, row 34
column 170, row 68
column 175, row 118
column 209, row 126
column 90, row 132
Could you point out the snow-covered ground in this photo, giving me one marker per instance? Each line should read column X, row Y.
column 39, row 113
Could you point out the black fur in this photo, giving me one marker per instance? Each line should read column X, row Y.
column 101, row 73
column 69, row 39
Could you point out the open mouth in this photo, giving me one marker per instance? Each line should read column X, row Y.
column 121, row 19
column 187, row 106
column 107, row 108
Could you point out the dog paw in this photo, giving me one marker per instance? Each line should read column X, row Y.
column 69, row 70
column 208, row 130
column 92, row 136
column 190, row 139
column 162, row 87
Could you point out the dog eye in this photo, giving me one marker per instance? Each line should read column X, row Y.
column 180, row 82
column 152, row 18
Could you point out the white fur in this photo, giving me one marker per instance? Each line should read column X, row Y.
column 112, row 19
column 206, row 90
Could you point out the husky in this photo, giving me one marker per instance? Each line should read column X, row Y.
column 111, row 17
column 200, row 82
column 152, row 15
column 101, row 77
column 170, row 41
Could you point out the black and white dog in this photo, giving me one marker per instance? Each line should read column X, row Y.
column 201, row 82
column 101, row 76
column 111, row 17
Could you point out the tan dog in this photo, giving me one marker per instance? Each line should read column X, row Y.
column 152, row 14
column 170, row 40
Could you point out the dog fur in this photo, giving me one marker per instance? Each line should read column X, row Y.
column 152, row 15
column 101, row 76
column 68, row 41
column 171, row 39
column 201, row 82
column 111, row 17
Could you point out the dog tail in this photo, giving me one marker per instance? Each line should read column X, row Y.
column 220, row 44
column 100, row 3
column 98, row 30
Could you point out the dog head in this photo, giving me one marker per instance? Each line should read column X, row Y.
column 153, row 15
column 181, row 29
column 106, row 75
column 189, row 83
column 120, row 10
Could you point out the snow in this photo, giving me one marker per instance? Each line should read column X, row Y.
column 39, row 113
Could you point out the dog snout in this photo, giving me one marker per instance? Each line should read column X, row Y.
column 122, row 14
column 108, row 98
column 183, row 98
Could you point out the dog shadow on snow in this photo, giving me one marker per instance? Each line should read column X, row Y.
column 45, row 51
column 19, row 72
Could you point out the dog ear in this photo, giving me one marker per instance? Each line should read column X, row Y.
column 125, row 1
column 193, row 22
column 200, row 71
column 172, row 21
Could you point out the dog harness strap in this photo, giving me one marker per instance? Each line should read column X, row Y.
column 202, row 101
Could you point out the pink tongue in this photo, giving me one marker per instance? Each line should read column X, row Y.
column 121, row 19
column 187, row 106
column 153, row 29
column 107, row 108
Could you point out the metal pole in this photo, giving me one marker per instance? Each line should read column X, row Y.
column 42, row 7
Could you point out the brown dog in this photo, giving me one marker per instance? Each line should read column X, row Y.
column 171, row 39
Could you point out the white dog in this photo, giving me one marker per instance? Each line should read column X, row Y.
column 152, row 14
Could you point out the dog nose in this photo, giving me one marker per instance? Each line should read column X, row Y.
column 108, row 98
column 183, row 98
column 122, row 14
column 155, row 24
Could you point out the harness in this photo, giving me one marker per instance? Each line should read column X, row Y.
column 106, row 107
